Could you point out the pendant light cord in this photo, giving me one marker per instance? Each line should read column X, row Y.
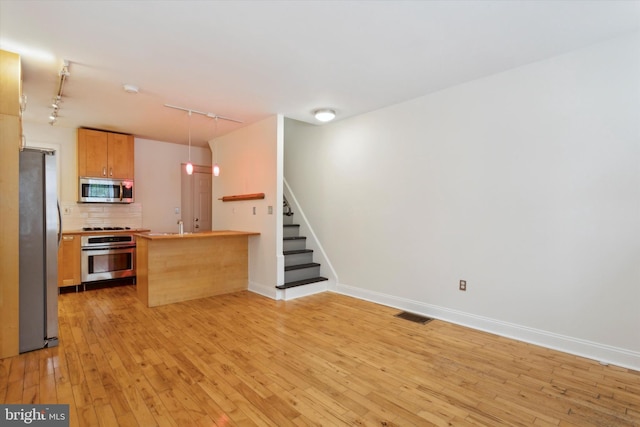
column 189, row 136
column 215, row 132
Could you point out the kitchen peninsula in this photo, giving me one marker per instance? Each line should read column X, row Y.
column 174, row 267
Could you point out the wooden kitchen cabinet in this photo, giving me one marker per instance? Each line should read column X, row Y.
column 10, row 139
column 105, row 154
column 10, row 84
column 69, row 261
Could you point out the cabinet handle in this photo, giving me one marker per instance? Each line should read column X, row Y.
column 104, row 171
column 67, row 238
column 110, row 171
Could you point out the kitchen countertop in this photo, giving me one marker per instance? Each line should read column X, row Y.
column 200, row 235
column 97, row 232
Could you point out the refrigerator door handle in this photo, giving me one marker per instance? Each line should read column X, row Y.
column 59, row 223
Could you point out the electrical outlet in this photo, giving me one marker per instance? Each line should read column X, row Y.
column 463, row 285
column 67, row 211
column 270, row 210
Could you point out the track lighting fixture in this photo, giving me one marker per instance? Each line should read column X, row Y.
column 189, row 166
column 55, row 103
column 210, row 115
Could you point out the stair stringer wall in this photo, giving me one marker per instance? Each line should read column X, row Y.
column 319, row 254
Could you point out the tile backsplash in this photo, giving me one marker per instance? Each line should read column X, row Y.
column 78, row 215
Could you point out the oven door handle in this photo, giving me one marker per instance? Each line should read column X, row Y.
column 107, row 248
column 121, row 194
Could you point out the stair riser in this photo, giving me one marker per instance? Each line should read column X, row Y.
column 290, row 231
column 301, row 274
column 302, row 291
column 294, row 245
column 295, row 259
column 287, row 219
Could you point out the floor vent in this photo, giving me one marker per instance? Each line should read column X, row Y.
column 413, row 317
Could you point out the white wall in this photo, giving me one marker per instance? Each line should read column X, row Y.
column 526, row 184
column 250, row 161
column 158, row 181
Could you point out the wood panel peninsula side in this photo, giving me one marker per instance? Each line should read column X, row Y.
column 172, row 267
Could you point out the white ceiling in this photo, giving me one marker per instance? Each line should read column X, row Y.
column 251, row 59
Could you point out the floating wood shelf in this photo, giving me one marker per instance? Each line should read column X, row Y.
column 238, row 197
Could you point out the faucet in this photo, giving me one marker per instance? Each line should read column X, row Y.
column 180, row 227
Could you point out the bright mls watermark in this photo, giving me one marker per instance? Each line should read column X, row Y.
column 36, row 415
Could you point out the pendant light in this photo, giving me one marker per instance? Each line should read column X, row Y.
column 216, row 168
column 189, row 166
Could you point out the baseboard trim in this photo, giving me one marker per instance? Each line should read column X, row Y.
column 267, row 291
column 602, row 353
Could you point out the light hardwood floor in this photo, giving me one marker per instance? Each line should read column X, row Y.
column 242, row 359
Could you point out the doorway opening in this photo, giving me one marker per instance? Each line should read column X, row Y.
column 196, row 199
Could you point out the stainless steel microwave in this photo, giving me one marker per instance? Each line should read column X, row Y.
column 96, row 190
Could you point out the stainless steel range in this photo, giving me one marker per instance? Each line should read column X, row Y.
column 106, row 257
column 105, row 228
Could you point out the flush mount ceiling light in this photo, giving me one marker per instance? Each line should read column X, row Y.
column 324, row 114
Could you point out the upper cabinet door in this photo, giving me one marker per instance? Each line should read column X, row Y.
column 120, row 156
column 105, row 154
column 92, row 153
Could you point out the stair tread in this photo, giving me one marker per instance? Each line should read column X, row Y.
column 301, row 282
column 294, row 238
column 298, row 251
column 301, row 266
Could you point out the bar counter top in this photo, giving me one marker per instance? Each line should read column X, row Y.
column 200, row 235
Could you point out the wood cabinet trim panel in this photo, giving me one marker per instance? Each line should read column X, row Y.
column 69, row 254
column 10, row 138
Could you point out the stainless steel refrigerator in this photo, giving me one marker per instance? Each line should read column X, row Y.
column 40, row 229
